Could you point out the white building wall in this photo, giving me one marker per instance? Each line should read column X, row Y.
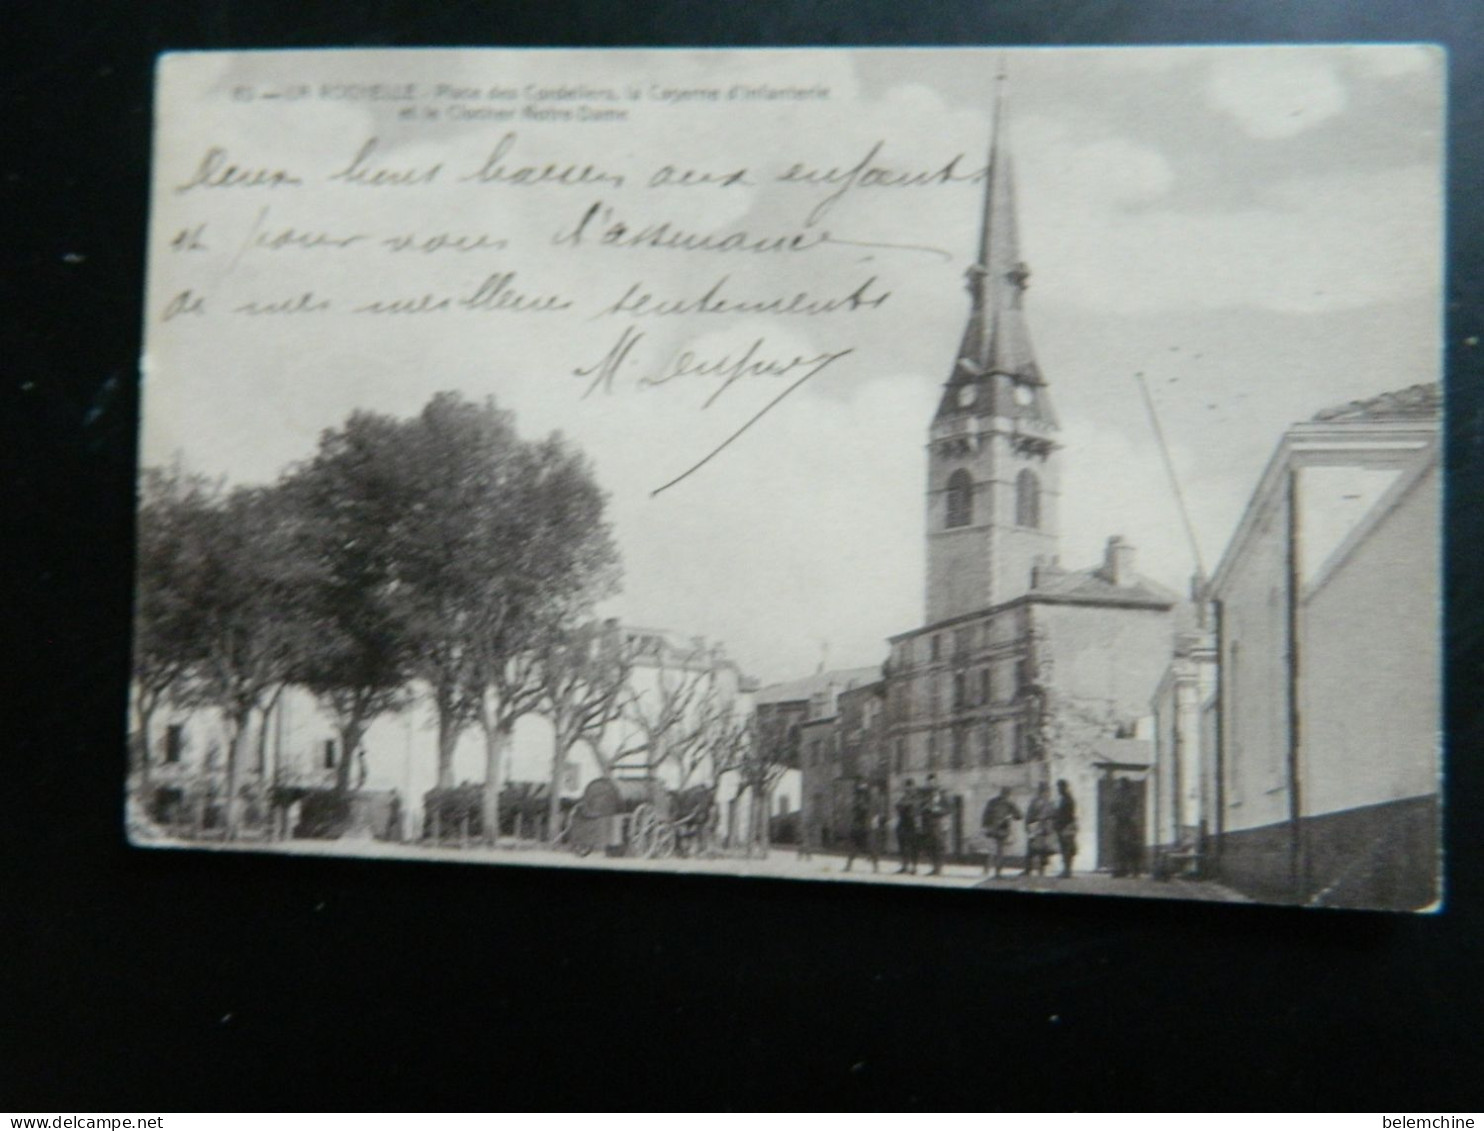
column 1371, row 663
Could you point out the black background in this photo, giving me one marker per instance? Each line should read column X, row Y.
column 175, row 980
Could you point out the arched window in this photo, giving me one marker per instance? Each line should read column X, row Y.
column 1027, row 499
column 960, row 498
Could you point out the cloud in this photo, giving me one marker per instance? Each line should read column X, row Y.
column 1309, row 245
column 1275, row 94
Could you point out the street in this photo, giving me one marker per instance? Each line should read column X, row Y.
column 780, row 863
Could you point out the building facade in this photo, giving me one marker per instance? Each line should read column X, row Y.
column 1326, row 769
column 804, row 716
column 1180, row 799
column 1024, row 672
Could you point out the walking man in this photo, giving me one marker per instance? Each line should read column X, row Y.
column 1000, row 814
column 1038, row 833
column 930, row 822
column 1064, row 825
column 862, row 827
column 907, row 827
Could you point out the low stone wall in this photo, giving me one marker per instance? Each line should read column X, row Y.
column 1377, row 856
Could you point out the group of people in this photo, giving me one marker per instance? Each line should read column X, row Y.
column 920, row 812
column 1050, row 829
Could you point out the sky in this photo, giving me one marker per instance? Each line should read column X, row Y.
column 1256, row 231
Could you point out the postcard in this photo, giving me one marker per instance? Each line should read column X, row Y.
column 981, row 469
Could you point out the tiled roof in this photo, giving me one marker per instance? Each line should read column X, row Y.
column 1092, row 586
column 803, row 689
column 1412, row 403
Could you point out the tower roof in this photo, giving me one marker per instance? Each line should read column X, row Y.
column 996, row 341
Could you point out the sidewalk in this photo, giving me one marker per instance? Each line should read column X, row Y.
column 780, row 863
column 1100, row 883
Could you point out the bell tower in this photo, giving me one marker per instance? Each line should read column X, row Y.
column 993, row 465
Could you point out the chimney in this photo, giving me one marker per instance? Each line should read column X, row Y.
column 1118, row 566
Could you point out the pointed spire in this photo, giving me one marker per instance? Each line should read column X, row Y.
column 996, row 340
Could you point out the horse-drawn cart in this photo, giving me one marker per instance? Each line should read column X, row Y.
column 640, row 817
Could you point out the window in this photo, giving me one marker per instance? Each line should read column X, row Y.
column 984, row 685
column 1011, row 744
column 986, row 745
column 329, row 753
column 1024, row 677
column 960, row 694
column 956, row 758
column 937, row 646
column 1027, row 499
column 174, row 742
column 960, row 499
column 963, row 640
column 932, row 759
column 901, row 753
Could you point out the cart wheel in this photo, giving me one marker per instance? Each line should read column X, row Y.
column 643, row 825
column 662, row 845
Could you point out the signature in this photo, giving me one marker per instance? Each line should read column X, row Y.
column 754, row 361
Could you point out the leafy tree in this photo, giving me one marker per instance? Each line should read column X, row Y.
column 247, row 578
column 456, row 461
column 345, row 503
column 167, row 624
column 547, row 556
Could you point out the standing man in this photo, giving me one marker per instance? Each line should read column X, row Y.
column 862, row 830
column 1064, row 825
column 1000, row 814
column 1038, row 833
column 907, row 827
column 930, row 822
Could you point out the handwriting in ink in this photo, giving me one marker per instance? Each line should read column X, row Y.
column 865, row 173
column 599, row 226
column 636, row 301
column 216, row 171
column 605, row 371
column 187, row 302
column 495, row 170
column 495, row 292
column 669, row 176
column 361, row 171
column 731, row 372
column 443, row 241
column 306, row 303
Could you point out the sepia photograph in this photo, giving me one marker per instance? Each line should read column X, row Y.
column 998, row 470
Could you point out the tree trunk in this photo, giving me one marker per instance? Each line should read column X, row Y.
column 264, row 717
column 562, row 748
column 763, row 797
column 448, row 739
column 146, row 716
column 237, row 724
column 352, row 730
column 497, row 737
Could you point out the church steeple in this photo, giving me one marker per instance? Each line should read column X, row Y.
column 993, row 467
column 995, row 372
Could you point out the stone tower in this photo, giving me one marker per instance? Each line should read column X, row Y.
column 993, row 468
